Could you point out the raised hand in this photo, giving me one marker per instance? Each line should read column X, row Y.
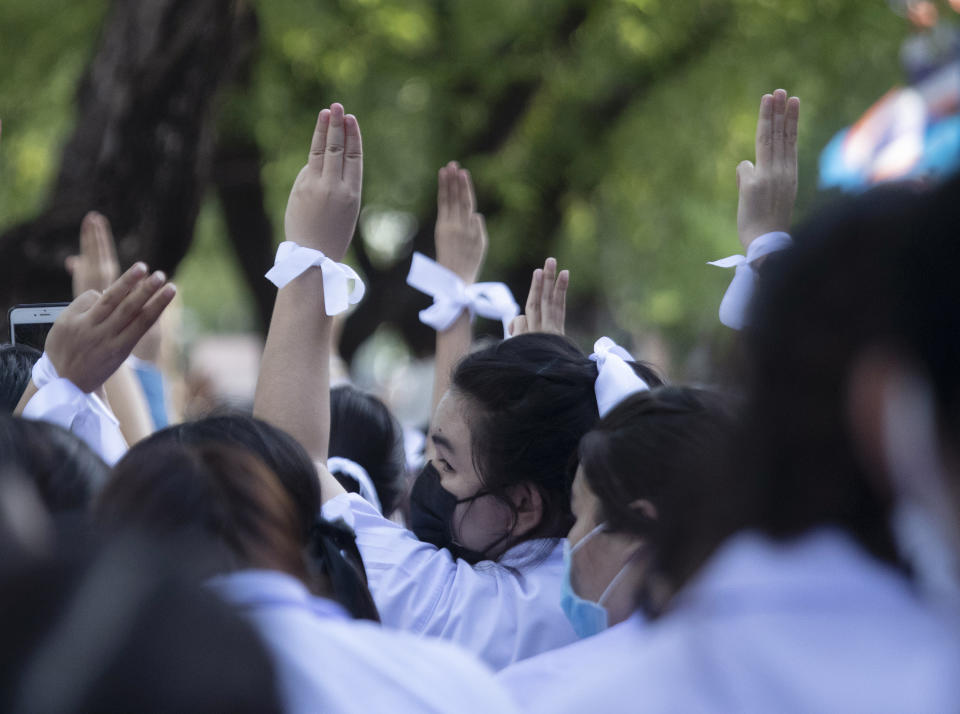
column 546, row 309
column 324, row 203
column 769, row 189
column 94, row 335
column 96, row 267
column 460, row 233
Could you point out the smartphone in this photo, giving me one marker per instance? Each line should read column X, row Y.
column 29, row 324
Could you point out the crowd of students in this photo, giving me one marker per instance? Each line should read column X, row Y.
column 584, row 535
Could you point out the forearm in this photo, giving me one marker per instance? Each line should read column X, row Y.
column 293, row 388
column 453, row 344
column 126, row 399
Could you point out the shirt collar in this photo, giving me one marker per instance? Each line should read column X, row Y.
column 258, row 589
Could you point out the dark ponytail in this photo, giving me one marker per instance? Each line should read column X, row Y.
column 332, row 547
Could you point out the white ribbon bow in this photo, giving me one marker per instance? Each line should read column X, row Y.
column 616, row 380
column 293, row 260
column 61, row 402
column 736, row 301
column 351, row 468
column 451, row 295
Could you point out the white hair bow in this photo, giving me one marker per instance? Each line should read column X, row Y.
column 616, row 379
column 61, row 402
column 451, row 296
column 293, row 260
column 736, row 301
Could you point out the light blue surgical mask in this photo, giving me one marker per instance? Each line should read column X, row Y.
column 587, row 617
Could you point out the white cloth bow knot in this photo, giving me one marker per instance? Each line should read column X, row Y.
column 616, row 379
column 451, row 296
column 293, row 260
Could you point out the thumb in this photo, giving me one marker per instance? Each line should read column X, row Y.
column 70, row 263
column 518, row 325
column 744, row 171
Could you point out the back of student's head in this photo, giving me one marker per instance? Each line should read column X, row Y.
column 532, row 399
column 16, row 366
column 363, row 430
column 656, row 463
column 875, row 272
column 229, row 501
column 66, row 472
column 283, row 454
column 220, row 495
column 120, row 632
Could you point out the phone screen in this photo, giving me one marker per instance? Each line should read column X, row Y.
column 33, row 334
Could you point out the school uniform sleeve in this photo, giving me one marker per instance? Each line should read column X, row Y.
column 501, row 612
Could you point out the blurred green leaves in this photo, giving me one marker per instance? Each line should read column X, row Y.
column 605, row 133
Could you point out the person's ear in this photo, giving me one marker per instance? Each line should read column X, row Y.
column 529, row 508
column 645, row 507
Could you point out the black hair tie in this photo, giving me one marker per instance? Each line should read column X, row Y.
column 333, row 546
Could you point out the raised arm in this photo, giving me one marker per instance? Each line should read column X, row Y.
column 293, row 388
column 461, row 243
column 95, row 268
column 768, row 189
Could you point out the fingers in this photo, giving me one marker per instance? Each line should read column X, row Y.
column 88, row 235
column 352, row 152
column 115, row 294
column 333, row 153
column 765, row 131
column 443, row 195
column 131, row 305
column 147, row 317
column 549, row 283
column 106, row 246
column 744, row 172
column 532, row 308
column 70, row 263
column 467, row 196
column 518, row 325
column 319, row 142
column 453, row 191
column 779, row 120
column 558, row 305
column 790, row 130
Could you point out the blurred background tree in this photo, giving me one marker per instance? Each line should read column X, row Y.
column 604, row 133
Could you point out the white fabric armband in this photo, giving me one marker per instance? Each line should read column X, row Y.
column 451, row 296
column 616, row 379
column 61, row 402
column 293, row 260
column 368, row 490
column 736, row 301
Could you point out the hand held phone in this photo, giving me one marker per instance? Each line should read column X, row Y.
column 29, row 324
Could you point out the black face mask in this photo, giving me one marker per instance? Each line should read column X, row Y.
column 431, row 515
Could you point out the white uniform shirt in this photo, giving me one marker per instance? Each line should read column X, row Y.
column 811, row 626
column 328, row 662
column 501, row 612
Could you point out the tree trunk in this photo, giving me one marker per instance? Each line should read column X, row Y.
column 141, row 149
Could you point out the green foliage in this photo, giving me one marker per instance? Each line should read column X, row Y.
column 605, row 133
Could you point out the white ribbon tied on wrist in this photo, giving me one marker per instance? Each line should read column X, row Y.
column 61, row 402
column 736, row 301
column 616, row 379
column 451, row 296
column 293, row 260
column 340, row 464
